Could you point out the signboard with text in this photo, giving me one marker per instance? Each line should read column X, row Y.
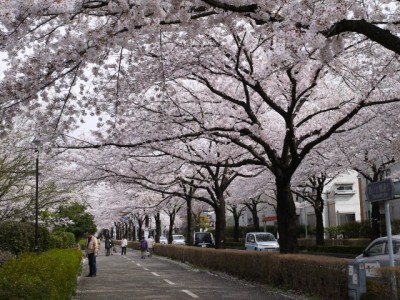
column 380, row 190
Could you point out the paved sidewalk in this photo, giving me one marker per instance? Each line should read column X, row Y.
column 130, row 277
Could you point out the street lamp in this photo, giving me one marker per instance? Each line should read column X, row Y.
column 37, row 143
column 305, row 195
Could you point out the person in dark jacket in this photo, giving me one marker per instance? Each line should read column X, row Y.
column 143, row 247
column 108, row 245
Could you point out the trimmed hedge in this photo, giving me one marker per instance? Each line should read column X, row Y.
column 49, row 275
column 380, row 287
column 354, row 250
column 325, row 277
column 17, row 237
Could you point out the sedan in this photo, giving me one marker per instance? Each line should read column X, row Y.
column 163, row 240
column 178, row 239
column 378, row 251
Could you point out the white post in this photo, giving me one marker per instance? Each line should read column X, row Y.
column 389, row 234
column 390, row 248
column 305, row 221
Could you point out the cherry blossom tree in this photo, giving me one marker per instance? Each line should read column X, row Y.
column 172, row 209
column 237, row 211
column 373, row 154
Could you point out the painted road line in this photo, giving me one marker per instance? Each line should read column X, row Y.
column 155, row 274
column 190, row 294
column 145, row 269
column 169, row 282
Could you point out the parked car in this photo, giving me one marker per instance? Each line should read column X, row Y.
column 178, row 239
column 163, row 240
column 378, row 251
column 203, row 239
column 261, row 241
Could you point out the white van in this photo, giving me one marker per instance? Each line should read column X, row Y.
column 261, row 241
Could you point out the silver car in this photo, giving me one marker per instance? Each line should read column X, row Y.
column 378, row 252
column 163, row 240
column 261, row 241
column 178, row 239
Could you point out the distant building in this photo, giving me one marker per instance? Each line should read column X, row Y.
column 345, row 201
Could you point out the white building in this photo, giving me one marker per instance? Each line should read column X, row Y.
column 345, row 201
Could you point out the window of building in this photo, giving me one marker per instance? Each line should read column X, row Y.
column 344, row 189
column 346, row 218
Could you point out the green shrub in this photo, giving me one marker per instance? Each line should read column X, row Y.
column 301, row 232
column 67, row 239
column 17, row 237
column 56, row 241
column 49, row 275
column 82, row 243
column 350, row 230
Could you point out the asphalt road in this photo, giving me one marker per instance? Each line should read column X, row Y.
column 130, row 277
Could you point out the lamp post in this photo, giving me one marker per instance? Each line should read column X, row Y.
column 37, row 144
column 305, row 195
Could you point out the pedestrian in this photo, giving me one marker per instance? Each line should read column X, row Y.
column 108, row 245
column 143, row 247
column 113, row 248
column 124, row 244
column 92, row 249
column 150, row 245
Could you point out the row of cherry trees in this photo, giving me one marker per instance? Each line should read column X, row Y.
column 190, row 96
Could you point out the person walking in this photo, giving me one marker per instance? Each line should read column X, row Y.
column 150, row 245
column 143, row 247
column 108, row 245
column 124, row 244
column 92, row 249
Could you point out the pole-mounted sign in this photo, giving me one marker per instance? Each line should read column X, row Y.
column 381, row 190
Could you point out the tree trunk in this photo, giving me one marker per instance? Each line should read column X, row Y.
column 140, row 233
column 189, row 233
column 158, row 227
column 319, row 238
column 124, row 231
column 236, row 227
column 319, row 209
column 375, row 221
column 256, row 220
column 131, row 231
column 286, row 214
column 134, row 235
column 220, row 224
column 171, row 227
